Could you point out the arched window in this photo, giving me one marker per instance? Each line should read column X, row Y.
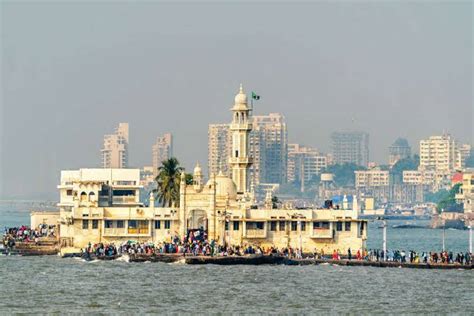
column 92, row 196
column 83, row 196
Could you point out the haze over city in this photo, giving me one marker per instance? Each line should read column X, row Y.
column 72, row 72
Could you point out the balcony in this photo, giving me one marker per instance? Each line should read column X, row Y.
column 323, row 233
column 108, row 232
column 138, row 231
column 255, row 233
column 130, row 199
column 240, row 160
column 241, row 127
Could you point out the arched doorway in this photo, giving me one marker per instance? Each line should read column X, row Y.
column 197, row 219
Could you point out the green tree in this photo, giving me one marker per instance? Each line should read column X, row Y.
column 410, row 163
column 189, row 178
column 448, row 203
column 167, row 180
column 275, row 202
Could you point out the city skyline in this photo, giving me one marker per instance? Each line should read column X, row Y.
column 318, row 83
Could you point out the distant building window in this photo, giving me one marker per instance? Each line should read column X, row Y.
column 254, row 225
column 226, row 225
column 294, row 226
column 69, row 192
column 120, row 224
column 339, row 226
column 157, row 224
column 85, row 224
column 303, row 226
column 132, row 224
column 167, row 224
column 273, row 226
column 347, row 226
column 320, row 225
column 109, row 224
column 282, row 226
column 95, row 223
column 236, row 226
column 361, row 230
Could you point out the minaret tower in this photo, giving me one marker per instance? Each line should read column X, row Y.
column 240, row 128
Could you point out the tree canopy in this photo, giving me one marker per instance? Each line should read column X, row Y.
column 448, row 201
column 410, row 163
column 168, row 180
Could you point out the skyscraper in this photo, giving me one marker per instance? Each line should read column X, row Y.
column 269, row 149
column 399, row 150
column 115, row 149
column 350, row 147
column 162, row 150
column 219, row 144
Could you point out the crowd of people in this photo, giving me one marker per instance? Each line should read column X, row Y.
column 12, row 235
column 195, row 243
column 411, row 256
column 202, row 247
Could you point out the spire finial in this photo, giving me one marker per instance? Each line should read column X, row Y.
column 241, row 90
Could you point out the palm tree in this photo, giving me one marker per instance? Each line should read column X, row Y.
column 167, row 181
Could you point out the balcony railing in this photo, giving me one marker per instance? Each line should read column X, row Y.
column 123, row 199
column 321, row 233
column 255, row 233
column 138, row 231
column 115, row 232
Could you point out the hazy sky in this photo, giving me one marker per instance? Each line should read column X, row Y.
column 72, row 72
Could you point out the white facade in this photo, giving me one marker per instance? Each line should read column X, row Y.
column 102, row 187
column 115, row 148
column 240, row 128
column 372, row 178
column 438, row 153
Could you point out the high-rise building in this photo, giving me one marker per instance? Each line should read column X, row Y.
column 350, row 147
column 115, row 149
column 162, row 150
column 438, row 153
column 463, row 152
column 219, row 144
column 399, row 150
column 269, row 149
column 304, row 163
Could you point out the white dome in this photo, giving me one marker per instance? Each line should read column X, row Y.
column 197, row 169
column 241, row 97
column 224, row 186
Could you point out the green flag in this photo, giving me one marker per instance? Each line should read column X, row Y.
column 255, row 96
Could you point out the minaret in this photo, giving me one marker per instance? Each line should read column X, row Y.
column 240, row 128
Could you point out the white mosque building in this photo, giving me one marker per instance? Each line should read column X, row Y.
column 102, row 205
